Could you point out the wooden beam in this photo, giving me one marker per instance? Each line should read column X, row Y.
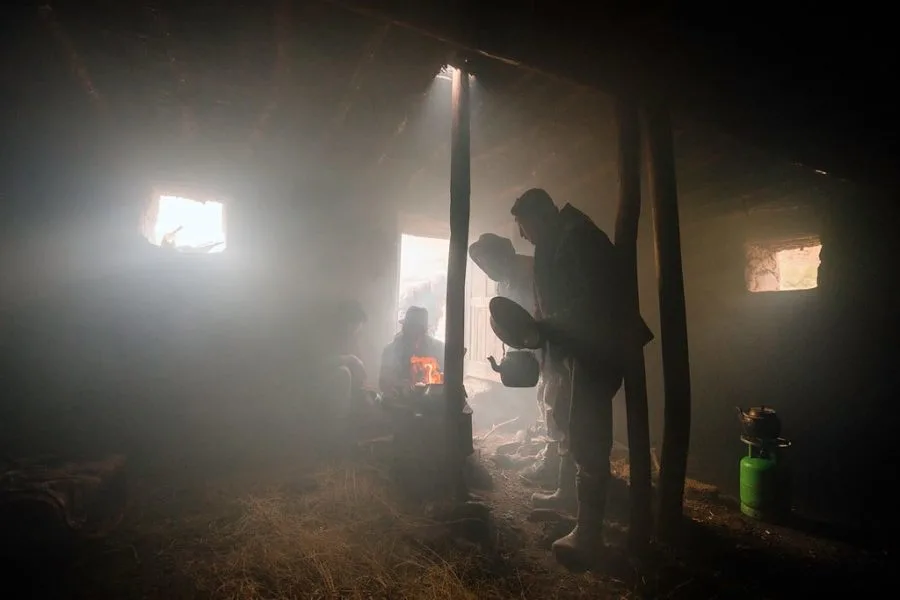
column 464, row 48
column 373, row 44
column 411, row 111
column 190, row 126
column 673, row 321
column 76, row 64
column 487, row 112
column 675, row 67
column 627, row 219
column 460, row 192
column 563, row 106
column 283, row 19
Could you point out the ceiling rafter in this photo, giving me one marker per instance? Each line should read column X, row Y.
column 367, row 58
column 507, row 100
column 400, row 129
column 533, row 174
column 560, row 107
column 283, row 70
column 498, row 105
column 190, row 126
column 76, row 63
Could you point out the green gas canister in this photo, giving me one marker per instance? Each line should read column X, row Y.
column 764, row 478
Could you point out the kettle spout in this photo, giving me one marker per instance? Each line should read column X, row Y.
column 741, row 414
column 494, row 364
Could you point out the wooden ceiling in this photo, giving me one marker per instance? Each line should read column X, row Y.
column 309, row 90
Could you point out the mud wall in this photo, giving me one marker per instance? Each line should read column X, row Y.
column 163, row 358
column 111, row 345
column 821, row 357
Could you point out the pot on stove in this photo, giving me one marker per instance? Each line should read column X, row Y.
column 760, row 422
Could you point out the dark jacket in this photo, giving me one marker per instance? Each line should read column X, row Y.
column 396, row 357
column 577, row 282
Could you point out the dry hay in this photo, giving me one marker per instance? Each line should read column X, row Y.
column 345, row 538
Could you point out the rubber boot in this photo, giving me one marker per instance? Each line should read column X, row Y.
column 545, row 467
column 564, row 498
column 583, row 547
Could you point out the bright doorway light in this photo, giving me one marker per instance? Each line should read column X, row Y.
column 188, row 225
column 423, row 279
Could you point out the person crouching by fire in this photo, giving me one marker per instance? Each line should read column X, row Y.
column 412, row 356
column 514, row 273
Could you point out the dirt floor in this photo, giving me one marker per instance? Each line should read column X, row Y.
column 339, row 531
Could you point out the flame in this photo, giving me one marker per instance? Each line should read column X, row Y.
column 425, row 369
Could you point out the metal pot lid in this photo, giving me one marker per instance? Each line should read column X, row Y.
column 513, row 324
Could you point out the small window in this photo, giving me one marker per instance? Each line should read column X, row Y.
column 185, row 224
column 783, row 266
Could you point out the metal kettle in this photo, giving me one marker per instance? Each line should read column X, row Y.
column 760, row 422
column 518, row 369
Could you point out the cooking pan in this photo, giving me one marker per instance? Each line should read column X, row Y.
column 514, row 325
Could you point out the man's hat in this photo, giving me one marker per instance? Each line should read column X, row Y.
column 416, row 315
column 493, row 255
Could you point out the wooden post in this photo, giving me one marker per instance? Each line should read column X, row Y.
column 673, row 320
column 627, row 217
column 460, row 189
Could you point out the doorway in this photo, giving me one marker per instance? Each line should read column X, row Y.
column 423, row 282
column 423, row 279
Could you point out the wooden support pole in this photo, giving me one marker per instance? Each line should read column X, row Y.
column 460, row 191
column 627, row 218
column 673, row 320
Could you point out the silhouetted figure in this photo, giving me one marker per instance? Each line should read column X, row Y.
column 347, row 375
column 412, row 341
column 497, row 257
column 583, row 314
column 514, row 273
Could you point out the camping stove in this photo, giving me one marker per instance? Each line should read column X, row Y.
column 423, row 459
column 425, row 410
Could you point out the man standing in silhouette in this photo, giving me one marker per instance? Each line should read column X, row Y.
column 584, row 319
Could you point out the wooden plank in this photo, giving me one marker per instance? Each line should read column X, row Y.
column 460, row 192
column 673, row 320
column 627, row 218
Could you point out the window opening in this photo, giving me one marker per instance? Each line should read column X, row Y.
column 783, row 266
column 185, row 224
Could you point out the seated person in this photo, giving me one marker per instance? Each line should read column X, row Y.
column 347, row 374
column 350, row 319
column 397, row 369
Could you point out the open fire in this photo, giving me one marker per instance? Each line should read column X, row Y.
column 425, row 369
